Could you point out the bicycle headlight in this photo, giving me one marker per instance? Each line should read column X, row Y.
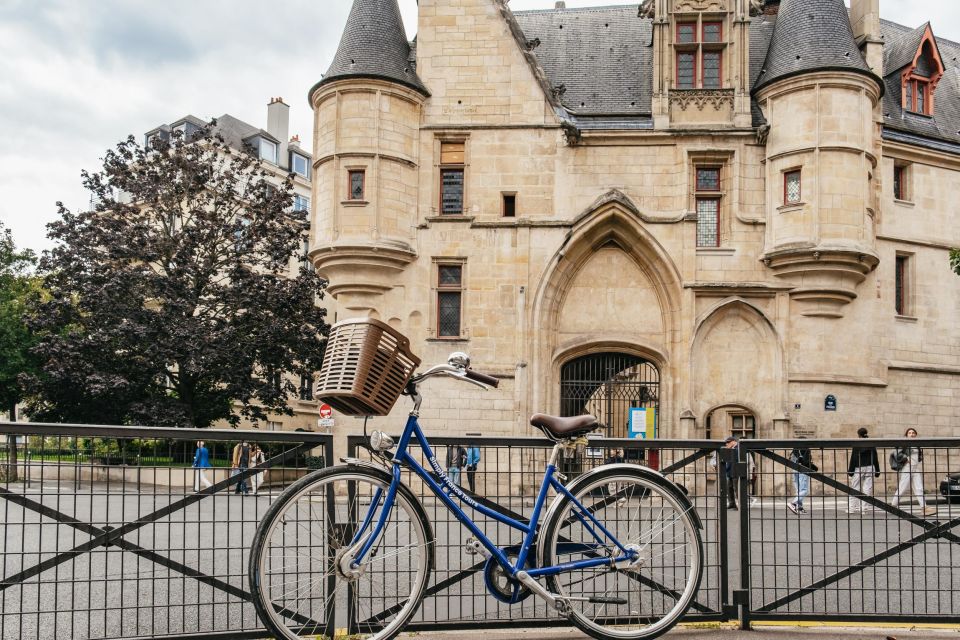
column 379, row 441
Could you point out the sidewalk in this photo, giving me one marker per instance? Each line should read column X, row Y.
column 711, row 632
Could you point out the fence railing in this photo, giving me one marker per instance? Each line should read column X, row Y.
column 871, row 543
column 110, row 532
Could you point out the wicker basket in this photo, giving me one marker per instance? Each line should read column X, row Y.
column 365, row 368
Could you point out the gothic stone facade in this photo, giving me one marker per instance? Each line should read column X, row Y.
column 748, row 205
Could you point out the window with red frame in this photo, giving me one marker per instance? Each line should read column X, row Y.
column 699, row 59
column 792, row 187
column 916, row 96
column 708, row 206
column 900, row 191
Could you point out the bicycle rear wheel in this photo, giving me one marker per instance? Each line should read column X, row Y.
column 646, row 515
column 300, row 573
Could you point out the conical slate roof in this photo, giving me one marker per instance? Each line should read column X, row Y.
column 812, row 35
column 374, row 45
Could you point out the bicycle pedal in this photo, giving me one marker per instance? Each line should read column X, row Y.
column 607, row 601
column 473, row 548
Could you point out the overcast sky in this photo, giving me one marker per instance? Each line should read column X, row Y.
column 77, row 76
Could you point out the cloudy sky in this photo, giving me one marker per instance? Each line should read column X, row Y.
column 76, row 76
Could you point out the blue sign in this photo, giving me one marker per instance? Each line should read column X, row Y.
column 830, row 403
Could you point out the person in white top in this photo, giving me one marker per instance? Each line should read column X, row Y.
column 909, row 462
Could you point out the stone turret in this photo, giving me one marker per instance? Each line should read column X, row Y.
column 366, row 124
column 820, row 99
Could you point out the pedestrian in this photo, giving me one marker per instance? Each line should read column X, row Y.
column 241, row 462
column 752, row 471
column 201, row 461
column 257, row 459
column 473, row 461
column 456, row 456
column 801, row 456
column 908, row 460
column 864, row 466
column 730, row 442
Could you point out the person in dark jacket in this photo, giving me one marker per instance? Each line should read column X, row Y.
column 801, row 481
column 864, row 466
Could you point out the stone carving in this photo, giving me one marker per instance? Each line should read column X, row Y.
column 700, row 5
column 648, row 9
column 756, row 8
column 702, row 98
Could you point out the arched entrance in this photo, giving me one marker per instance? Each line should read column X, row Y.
column 608, row 385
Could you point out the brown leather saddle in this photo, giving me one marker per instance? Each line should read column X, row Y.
column 561, row 428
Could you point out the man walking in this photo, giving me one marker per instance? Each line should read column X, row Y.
column 730, row 442
column 456, row 456
column 863, row 468
column 801, row 480
column 473, row 461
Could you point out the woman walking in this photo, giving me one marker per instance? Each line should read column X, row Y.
column 909, row 461
column 257, row 459
column 201, row 461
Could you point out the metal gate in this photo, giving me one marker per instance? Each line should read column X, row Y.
column 608, row 385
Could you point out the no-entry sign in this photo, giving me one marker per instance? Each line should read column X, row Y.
column 326, row 411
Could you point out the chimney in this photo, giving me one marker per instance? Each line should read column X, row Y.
column 295, row 141
column 560, row 5
column 865, row 20
column 278, row 125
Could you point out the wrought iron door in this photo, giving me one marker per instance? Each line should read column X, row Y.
column 608, row 385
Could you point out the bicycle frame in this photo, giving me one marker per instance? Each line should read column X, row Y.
column 403, row 458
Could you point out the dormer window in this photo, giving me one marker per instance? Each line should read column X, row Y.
column 699, row 52
column 268, row 150
column 300, row 165
column 919, row 78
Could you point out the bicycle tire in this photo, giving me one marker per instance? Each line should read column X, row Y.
column 611, row 620
column 326, row 489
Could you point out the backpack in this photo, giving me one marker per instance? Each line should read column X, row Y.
column 898, row 459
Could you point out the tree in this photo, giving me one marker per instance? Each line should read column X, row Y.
column 17, row 287
column 173, row 301
column 955, row 260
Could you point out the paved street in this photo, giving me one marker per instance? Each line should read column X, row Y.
column 114, row 593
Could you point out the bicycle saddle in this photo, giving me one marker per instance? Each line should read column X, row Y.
column 560, row 428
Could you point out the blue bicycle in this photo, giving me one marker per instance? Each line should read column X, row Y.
column 618, row 552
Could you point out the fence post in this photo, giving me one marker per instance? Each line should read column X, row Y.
column 728, row 609
column 741, row 596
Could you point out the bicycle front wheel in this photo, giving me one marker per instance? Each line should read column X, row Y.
column 636, row 600
column 300, row 573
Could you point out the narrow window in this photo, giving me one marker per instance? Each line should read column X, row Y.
column 791, row 187
column 921, row 92
column 449, row 299
column 686, row 70
column 900, row 178
column 711, row 69
column 900, row 286
column 708, row 206
column 509, row 205
column 908, row 103
column 357, row 179
column 306, row 387
column 451, row 177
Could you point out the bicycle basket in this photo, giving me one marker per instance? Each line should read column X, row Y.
column 366, row 365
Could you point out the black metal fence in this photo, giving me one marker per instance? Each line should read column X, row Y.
column 871, row 543
column 110, row 532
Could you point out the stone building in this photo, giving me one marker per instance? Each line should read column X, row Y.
column 731, row 214
column 282, row 155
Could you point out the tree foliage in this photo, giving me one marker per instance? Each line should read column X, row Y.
column 955, row 260
column 182, row 298
column 18, row 287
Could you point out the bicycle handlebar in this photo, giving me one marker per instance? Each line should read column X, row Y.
column 481, row 377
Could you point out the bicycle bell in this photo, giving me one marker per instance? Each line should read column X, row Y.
column 459, row 360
